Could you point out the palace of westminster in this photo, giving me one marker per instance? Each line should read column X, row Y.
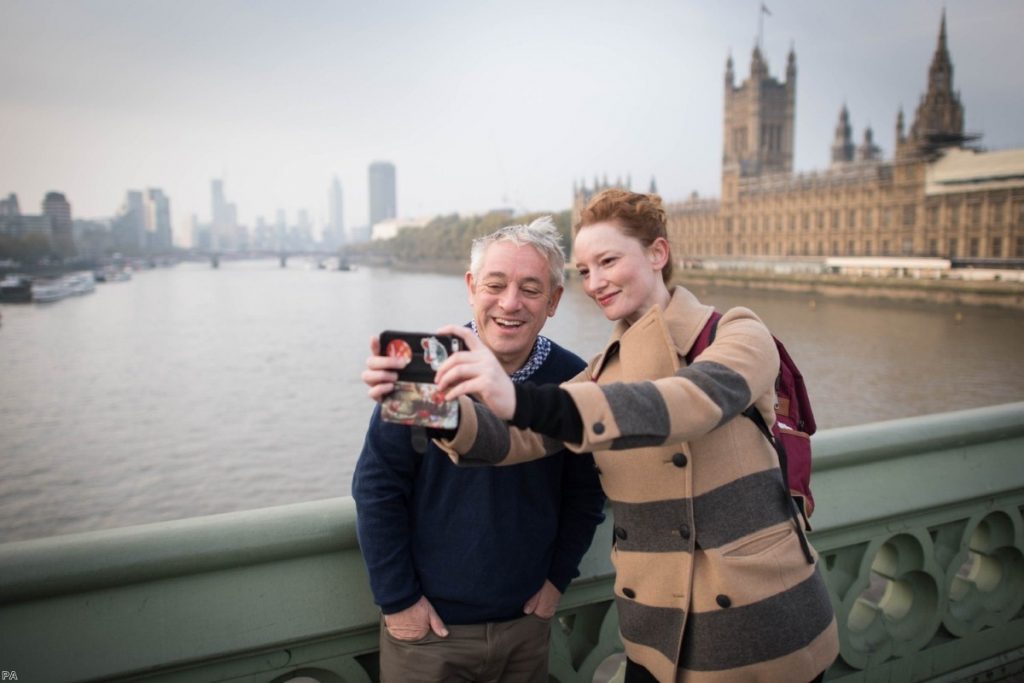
column 938, row 196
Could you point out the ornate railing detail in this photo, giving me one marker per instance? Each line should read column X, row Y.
column 923, row 545
column 919, row 525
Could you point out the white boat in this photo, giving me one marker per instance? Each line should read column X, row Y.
column 119, row 274
column 80, row 283
column 48, row 291
column 112, row 274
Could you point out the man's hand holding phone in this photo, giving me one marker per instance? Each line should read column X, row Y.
column 381, row 371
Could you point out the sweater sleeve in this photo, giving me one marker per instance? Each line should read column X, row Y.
column 382, row 486
column 549, row 410
column 482, row 438
column 582, row 510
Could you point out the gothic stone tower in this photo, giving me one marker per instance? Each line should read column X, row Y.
column 842, row 144
column 759, row 117
column 939, row 121
column 862, row 205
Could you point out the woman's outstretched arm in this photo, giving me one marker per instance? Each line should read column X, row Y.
column 736, row 371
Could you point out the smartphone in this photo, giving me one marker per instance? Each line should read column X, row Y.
column 416, row 399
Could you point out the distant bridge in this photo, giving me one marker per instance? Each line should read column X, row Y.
column 282, row 256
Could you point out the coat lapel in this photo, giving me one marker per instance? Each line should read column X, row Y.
column 657, row 341
column 611, row 350
column 685, row 317
column 646, row 350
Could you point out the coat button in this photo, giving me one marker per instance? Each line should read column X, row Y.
column 629, row 593
column 723, row 601
column 620, row 533
column 679, row 459
column 599, row 427
column 684, row 531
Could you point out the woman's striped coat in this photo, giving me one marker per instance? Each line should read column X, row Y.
column 711, row 583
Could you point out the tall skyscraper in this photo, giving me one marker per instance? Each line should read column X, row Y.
column 382, row 191
column 9, row 206
column 10, row 216
column 57, row 208
column 143, row 224
column 130, row 225
column 334, row 233
column 157, row 208
column 224, row 218
column 218, row 206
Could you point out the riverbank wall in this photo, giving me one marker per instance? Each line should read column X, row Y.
column 939, row 291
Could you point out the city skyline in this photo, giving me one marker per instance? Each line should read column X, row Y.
column 477, row 107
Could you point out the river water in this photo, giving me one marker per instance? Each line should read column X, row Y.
column 191, row 391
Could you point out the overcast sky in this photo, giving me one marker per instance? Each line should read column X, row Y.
column 479, row 104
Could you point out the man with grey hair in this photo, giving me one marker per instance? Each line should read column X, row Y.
column 468, row 564
column 541, row 233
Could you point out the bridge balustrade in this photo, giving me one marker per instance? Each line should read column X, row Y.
column 920, row 529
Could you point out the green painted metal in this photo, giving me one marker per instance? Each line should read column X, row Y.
column 919, row 525
column 922, row 542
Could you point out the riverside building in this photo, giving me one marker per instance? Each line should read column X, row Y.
column 937, row 197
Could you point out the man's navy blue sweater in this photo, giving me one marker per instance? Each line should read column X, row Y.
column 478, row 542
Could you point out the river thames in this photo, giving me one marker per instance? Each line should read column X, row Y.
column 192, row 391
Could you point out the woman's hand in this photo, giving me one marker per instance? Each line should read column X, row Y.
column 381, row 371
column 476, row 371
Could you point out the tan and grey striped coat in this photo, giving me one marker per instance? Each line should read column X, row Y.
column 711, row 583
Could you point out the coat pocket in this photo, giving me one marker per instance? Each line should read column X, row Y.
column 757, row 544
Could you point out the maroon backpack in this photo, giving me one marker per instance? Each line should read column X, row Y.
column 791, row 433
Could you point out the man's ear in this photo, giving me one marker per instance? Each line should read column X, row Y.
column 556, row 296
column 469, row 286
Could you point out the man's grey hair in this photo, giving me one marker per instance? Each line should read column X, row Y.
column 541, row 234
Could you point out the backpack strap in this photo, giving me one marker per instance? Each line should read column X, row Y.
column 780, row 449
column 703, row 341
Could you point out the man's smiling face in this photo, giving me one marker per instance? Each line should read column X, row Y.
column 512, row 298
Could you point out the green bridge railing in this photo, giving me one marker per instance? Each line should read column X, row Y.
column 920, row 526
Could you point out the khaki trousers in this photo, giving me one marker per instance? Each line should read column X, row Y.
column 500, row 652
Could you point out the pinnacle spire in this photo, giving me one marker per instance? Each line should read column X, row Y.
column 941, row 60
column 940, row 112
column 942, row 33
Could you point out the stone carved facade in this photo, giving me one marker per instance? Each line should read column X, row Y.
column 935, row 197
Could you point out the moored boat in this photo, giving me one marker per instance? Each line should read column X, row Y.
column 80, row 283
column 48, row 291
column 112, row 274
column 16, row 289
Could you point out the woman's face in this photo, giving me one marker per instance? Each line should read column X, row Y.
column 619, row 272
